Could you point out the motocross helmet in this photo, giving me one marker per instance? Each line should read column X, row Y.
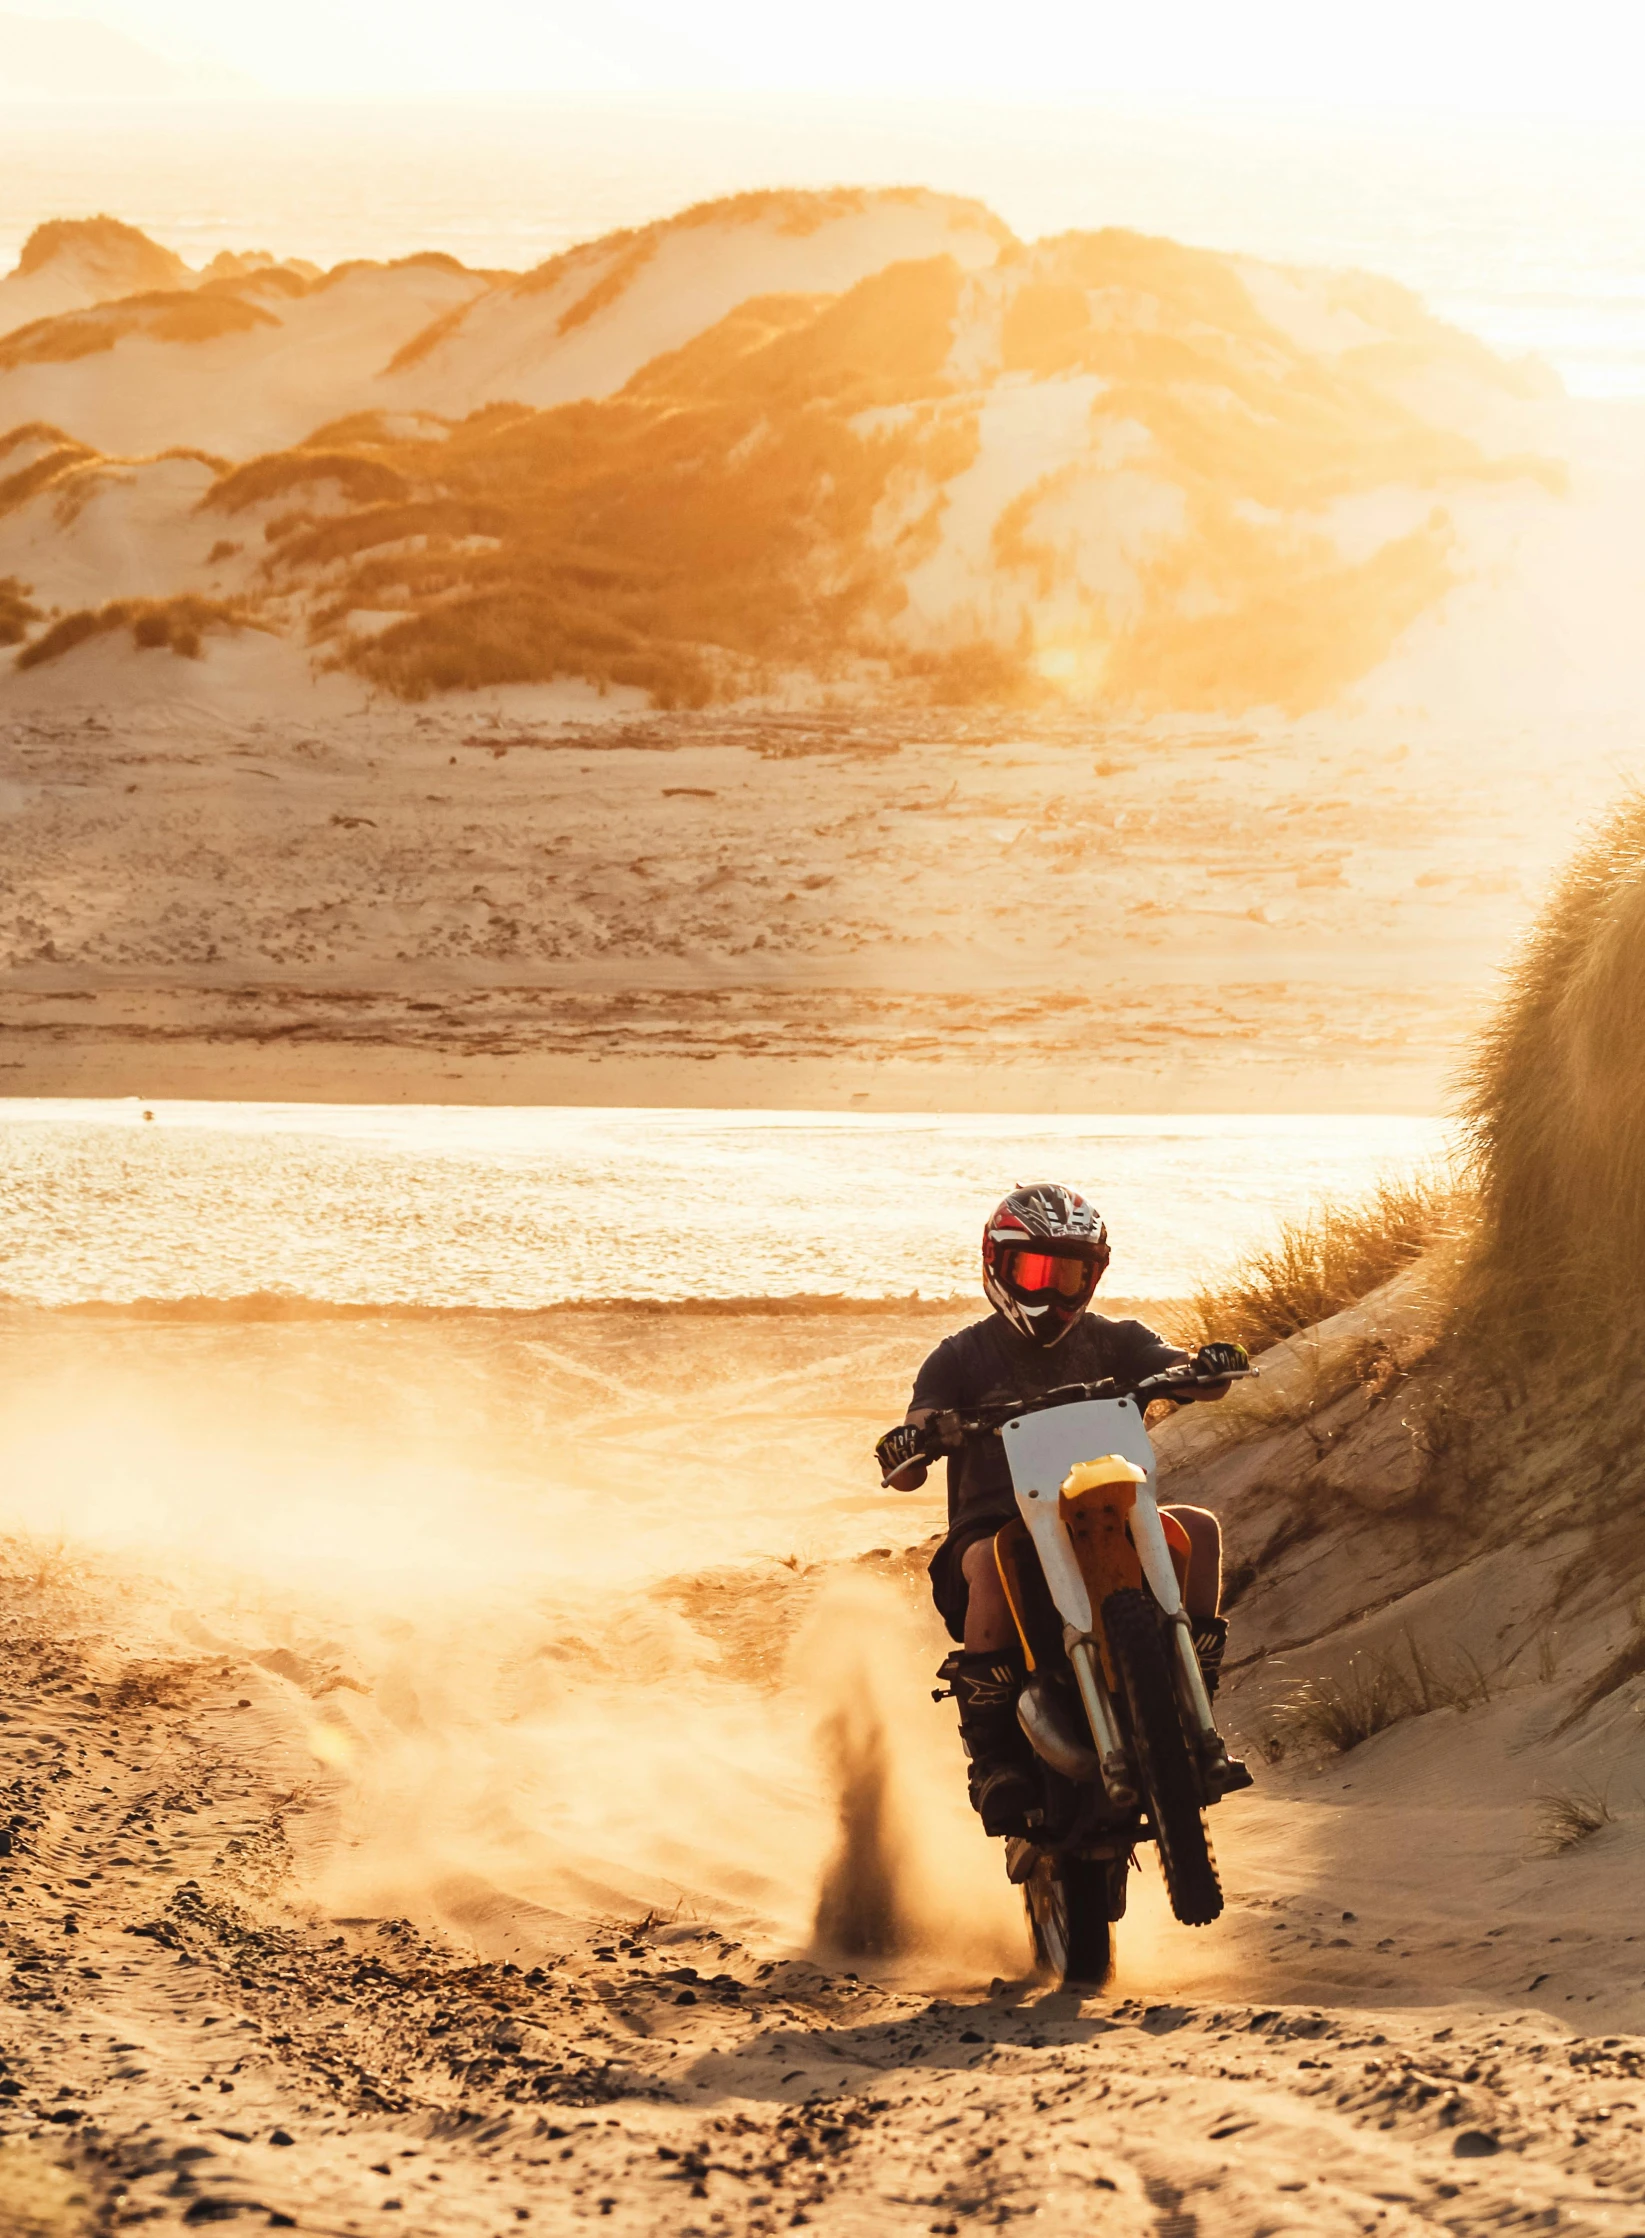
column 1044, row 1250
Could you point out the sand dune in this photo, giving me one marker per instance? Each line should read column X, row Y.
column 69, row 264
column 586, row 323
column 860, row 439
column 231, row 365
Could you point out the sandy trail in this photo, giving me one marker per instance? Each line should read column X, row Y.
column 201, row 2045
column 399, row 1933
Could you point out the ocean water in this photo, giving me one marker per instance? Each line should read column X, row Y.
column 425, row 1206
column 1531, row 235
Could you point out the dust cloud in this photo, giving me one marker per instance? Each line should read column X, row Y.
column 907, row 1876
column 552, row 1645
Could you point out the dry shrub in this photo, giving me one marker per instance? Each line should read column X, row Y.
column 1555, row 1108
column 172, row 624
column 1373, row 1693
column 1570, row 1817
column 16, row 613
column 1329, row 1259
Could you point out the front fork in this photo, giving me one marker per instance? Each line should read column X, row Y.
column 1195, row 1703
column 1118, row 1777
column 1118, row 1774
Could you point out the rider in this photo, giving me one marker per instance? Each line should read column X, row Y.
column 1043, row 1253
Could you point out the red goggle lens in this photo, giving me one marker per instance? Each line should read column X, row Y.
column 1039, row 1270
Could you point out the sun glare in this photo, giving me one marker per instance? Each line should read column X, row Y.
column 1536, row 58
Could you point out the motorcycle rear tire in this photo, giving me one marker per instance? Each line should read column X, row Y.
column 1164, row 1760
column 1068, row 1901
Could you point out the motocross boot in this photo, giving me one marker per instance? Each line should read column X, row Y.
column 1210, row 1645
column 1003, row 1789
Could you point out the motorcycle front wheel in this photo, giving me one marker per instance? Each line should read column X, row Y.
column 1071, row 1906
column 1169, row 1778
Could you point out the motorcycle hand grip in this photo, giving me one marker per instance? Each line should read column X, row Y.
column 899, row 1447
column 1220, row 1360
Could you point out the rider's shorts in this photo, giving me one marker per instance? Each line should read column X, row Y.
column 948, row 1587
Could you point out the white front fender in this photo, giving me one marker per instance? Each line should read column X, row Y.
column 1148, row 1537
column 1040, row 1450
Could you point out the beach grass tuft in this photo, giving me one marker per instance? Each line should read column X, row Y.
column 1555, row 1111
column 1375, row 1691
column 1570, row 1816
column 16, row 611
column 176, row 625
column 1328, row 1259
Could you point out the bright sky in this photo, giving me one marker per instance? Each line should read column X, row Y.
column 1563, row 57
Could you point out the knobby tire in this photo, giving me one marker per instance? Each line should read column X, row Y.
column 1165, row 1761
column 1068, row 1901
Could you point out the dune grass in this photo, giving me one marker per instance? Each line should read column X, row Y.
column 1626, row 1663
column 1571, row 1816
column 1338, row 1713
column 366, row 480
column 706, row 529
column 56, row 455
column 1555, row 1108
column 1373, row 1693
column 176, row 625
column 16, row 613
column 1329, row 1259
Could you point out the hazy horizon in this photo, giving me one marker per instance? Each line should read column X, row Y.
column 1579, row 59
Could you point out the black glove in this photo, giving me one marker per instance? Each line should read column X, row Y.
column 1221, row 1360
column 900, row 1446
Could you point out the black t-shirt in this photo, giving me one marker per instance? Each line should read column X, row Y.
column 989, row 1361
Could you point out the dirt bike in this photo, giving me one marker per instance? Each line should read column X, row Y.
column 1115, row 1707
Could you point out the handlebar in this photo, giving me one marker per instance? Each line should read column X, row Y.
column 946, row 1432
